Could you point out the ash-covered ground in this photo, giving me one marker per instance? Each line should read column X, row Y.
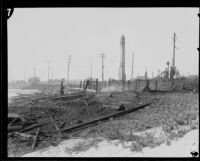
column 168, row 110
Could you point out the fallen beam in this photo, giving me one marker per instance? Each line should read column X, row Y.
column 118, row 114
column 24, row 135
column 35, row 139
column 13, row 121
column 14, row 128
column 34, row 126
column 68, row 97
column 28, row 107
column 96, row 121
column 57, row 128
column 74, row 96
column 164, row 91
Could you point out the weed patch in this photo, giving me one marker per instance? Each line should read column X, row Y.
column 83, row 146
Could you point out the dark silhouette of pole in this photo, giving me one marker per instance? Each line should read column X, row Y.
column 52, row 73
column 34, row 72
column 91, row 70
column 24, row 76
column 48, row 70
column 174, row 47
column 132, row 67
column 69, row 59
column 102, row 58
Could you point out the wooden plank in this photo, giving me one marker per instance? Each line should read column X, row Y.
column 31, row 106
column 14, row 128
column 12, row 122
column 96, row 121
column 118, row 114
column 34, row 126
column 57, row 128
column 160, row 91
column 35, row 139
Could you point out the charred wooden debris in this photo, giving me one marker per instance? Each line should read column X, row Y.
column 49, row 123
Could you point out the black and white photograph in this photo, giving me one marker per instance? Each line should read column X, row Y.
column 103, row 82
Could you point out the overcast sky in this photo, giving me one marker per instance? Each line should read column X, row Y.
column 38, row 35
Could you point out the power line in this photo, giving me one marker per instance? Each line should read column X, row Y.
column 102, row 55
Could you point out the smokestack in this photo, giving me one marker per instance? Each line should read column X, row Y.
column 122, row 75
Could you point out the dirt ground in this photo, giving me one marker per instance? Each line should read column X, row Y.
column 166, row 109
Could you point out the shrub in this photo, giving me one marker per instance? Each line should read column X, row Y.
column 168, row 142
column 114, row 134
column 136, row 147
column 83, row 146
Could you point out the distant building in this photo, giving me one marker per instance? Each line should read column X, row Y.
column 34, row 80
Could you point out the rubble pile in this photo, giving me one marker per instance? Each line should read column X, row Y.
column 50, row 113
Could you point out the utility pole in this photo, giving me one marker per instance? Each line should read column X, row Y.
column 24, row 76
column 132, row 67
column 69, row 58
column 145, row 73
column 174, row 47
column 48, row 75
column 102, row 57
column 91, row 70
column 52, row 74
column 152, row 74
column 48, row 70
column 173, row 68
column 34, row 72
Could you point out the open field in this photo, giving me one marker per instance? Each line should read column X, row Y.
column 175, row 113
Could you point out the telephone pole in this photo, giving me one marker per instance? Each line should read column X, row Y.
column 158, row 72
column 132, row 67
column 34, row 72
column 91, row 70
column 24, row 76
column 174, row 47
column 48, row 75
column 52, row 74
column 48, row 70
column 102, row 57
column 69, row 59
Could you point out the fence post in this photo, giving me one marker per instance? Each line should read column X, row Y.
column 172, row 83
column 86, row 85
column 96, row 85
column 136, row 84
column 156, row 83
column 109, row 84
column 129, row 84
column 61, row 88
column 83, row 85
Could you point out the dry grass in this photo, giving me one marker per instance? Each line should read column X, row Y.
column 83, row 146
